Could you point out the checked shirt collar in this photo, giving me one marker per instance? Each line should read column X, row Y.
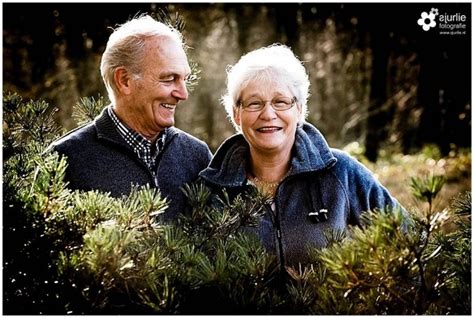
column 145, row 150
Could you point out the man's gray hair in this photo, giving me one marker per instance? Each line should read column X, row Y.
column 126, row 48
column 276, row 62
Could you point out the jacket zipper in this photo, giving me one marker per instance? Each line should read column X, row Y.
column 154, row 174
column 276, row 223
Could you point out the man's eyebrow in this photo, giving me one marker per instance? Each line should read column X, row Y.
column 168, row 74
column 173, row 74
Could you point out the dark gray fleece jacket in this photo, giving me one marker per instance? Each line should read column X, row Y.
column 100, row 159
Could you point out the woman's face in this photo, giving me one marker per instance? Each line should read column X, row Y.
column 267, row 131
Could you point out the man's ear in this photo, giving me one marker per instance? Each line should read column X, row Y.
column 123, row 80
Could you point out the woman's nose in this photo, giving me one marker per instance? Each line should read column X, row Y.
column 267, row 111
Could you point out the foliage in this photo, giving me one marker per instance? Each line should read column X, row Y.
column 387, row 268
column 87, row 109
column 393, row 169
column 177, row 22
column 427, row 189
column 28, row 278
column 136, row 264
column 454, row 284
column 89, row 253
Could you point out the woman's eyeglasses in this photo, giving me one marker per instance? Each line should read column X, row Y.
column 278, row 104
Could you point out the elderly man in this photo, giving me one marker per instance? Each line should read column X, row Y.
column 133, row 141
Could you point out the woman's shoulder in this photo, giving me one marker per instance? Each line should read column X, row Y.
column 343, row 156
column 349, row 165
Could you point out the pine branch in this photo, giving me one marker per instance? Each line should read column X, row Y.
column 89, row 253
column 87, row 109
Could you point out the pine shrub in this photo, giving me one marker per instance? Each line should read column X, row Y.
column 71, row 252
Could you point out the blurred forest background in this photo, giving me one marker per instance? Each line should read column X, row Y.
column 393, row 95
column 376, row 77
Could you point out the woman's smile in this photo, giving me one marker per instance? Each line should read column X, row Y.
column 269, row 129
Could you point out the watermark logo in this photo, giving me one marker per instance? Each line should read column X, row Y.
column 427, row 21
column 446, row 23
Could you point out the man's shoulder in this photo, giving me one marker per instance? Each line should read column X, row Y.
column 75, row 137
column 86, row 132
column 179, row 136
column 182, row 143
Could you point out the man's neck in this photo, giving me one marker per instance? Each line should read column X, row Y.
column 135, row 125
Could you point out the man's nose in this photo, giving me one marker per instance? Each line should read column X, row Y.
column 181, row 92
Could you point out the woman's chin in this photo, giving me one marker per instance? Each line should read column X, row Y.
column 270, row 147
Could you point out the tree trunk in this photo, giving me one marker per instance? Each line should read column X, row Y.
column 377, row 115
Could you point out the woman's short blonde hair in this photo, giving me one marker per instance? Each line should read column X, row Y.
column 276, row 62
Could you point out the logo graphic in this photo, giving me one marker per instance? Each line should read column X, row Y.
column 427, row 21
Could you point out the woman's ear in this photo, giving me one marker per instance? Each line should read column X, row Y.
column 236, row 115
column 123, row 80
column 301, row 116
column 300, row 108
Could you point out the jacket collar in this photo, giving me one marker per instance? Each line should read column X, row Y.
column 107, row 130
column 310, row 153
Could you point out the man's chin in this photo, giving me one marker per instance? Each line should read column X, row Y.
column 166, row 124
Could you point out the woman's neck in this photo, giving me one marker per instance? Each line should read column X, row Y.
column 269, row 168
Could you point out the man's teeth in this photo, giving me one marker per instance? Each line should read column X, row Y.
column 169, row 106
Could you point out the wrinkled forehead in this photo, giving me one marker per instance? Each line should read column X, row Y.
column 167, row 54
column 165, row 46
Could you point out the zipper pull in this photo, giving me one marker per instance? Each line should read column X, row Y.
column 278, row 233
column 317, row 217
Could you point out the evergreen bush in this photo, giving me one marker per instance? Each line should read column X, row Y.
column 76, row 252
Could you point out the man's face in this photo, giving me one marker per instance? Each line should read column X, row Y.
column 153, row 98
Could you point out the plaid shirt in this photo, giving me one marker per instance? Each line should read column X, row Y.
column 145, row 150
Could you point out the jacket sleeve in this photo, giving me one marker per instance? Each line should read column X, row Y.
column 364, row 191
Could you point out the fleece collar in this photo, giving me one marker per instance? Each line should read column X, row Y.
column 310, row 153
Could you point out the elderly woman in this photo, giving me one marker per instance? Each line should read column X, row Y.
column 313, row 188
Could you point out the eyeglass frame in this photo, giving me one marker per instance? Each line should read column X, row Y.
column 293, row 102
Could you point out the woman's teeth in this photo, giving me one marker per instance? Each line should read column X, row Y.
column 268, row 129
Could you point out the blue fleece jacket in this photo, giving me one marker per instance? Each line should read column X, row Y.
column 100, row 159
column 326, row 189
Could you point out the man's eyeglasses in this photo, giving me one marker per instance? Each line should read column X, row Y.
column 278, row 104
